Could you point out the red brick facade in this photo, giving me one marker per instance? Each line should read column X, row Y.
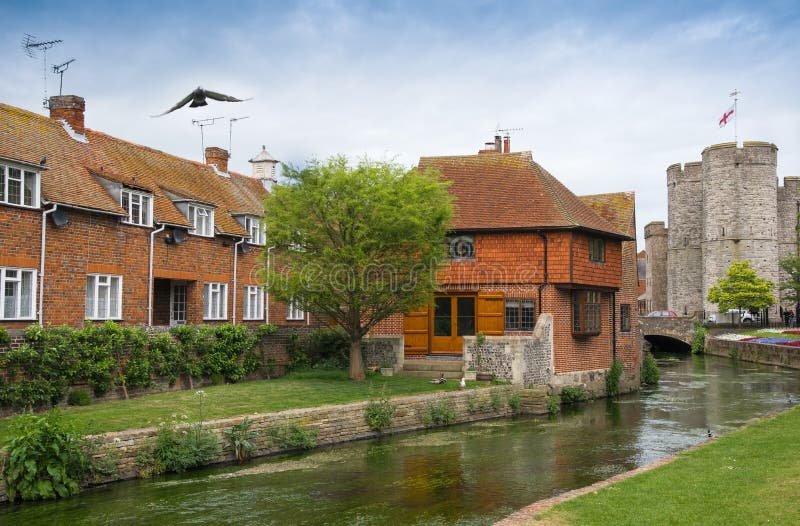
column 77, row 176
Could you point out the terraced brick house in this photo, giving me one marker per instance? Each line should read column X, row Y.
column 550, row 279
column 98, row 228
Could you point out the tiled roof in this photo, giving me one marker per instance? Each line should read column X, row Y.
column 510, row 191
column 75, row 165
column 619, row 208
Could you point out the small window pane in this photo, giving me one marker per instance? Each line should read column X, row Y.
column 90, row 296
column 528, row 315
column 14, row 186
column 10, row 299
column 30, row 188
column 26, row 300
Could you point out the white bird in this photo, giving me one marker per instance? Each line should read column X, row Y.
column 463, row 384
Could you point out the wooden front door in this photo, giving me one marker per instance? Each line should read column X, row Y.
column 451, row 318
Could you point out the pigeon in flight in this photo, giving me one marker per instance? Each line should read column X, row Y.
column 198, row 98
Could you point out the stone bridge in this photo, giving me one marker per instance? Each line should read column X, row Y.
column 668, row 333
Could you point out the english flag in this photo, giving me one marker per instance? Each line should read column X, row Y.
column 726, row 117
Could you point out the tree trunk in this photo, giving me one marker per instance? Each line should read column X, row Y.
column 125, row 391
column 356, row 361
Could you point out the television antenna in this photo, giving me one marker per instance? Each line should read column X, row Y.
column 59, row 70
column 506, row 131
column 203, row 123
column 31, row 45
column 230, row 132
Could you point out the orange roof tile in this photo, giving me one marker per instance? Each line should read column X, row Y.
column 619, row 208
column 74, row 166
column 511, row 191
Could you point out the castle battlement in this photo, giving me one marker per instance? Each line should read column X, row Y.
column 726, row 207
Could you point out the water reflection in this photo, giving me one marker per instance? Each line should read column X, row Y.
column 471, row 474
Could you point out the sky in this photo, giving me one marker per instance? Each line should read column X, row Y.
column 605, row 95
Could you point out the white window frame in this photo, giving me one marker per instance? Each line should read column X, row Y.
column 197, row 211
column 145, row 202
column 5, row 176
column 253, row 303
column 215, row 301
column 5, row 279
column 98, row 284
column 256, row 230
column 294, row 312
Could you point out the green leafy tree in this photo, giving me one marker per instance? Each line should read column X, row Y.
column 357, row 243
column 741, row 288
column 791, row 287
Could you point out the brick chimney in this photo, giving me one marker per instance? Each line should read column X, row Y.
column 69, row 108
column 507, row 144
column 218, row 157
column 492, row 147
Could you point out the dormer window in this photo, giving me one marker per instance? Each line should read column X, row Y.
column 254, row 227
column 19, row 187
column 202, row 219
column 139, row 206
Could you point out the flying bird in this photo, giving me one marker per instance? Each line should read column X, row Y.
column 198, row 98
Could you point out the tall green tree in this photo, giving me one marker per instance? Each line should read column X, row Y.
column 741, row 288
column 356, row 242
column 791, row 286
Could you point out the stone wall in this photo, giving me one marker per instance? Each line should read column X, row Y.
column 685, row 217
column 522, row 360
column 594, row 382
column 383, row 350
column 655, row 243
column 334, row 423
column 755, row 352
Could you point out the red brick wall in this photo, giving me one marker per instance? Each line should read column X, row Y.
column 19, row 245
column 577, row 353
column 99, row 243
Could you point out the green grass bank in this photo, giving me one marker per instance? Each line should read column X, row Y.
column 296, row 390
column 751, row 476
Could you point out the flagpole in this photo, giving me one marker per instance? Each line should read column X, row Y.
column 735, row 95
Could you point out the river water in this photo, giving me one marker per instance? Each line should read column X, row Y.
column 467, row 474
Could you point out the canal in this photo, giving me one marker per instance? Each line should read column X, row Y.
column 468, row 474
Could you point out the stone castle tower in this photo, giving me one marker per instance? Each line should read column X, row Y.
column 726, row 207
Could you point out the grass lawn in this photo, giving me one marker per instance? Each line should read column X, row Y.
column 751, row 476
column 293, row 391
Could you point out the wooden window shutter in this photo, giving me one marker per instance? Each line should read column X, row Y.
column 491, row 313
column 415, row 331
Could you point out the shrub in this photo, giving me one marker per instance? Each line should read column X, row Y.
column 472, row 402
column 46, row 458
column 572, row 395
column 181, row 447
column 239, row 439
column 328, row 348
column 5, row 339
column 495, row 400
column 298, row 359
column 650, row 373
column 379, row 414
column 699, row 338
column 293, row 437
column 78, row 397
column 514, row 402
column 437, row 414
column 613, row 377
column 553, row 405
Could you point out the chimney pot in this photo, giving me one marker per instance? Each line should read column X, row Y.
column 69, row 108
column 218, row 157
column 507, row 144
column 497, row 147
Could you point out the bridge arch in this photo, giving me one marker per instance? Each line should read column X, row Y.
column 668, row 333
